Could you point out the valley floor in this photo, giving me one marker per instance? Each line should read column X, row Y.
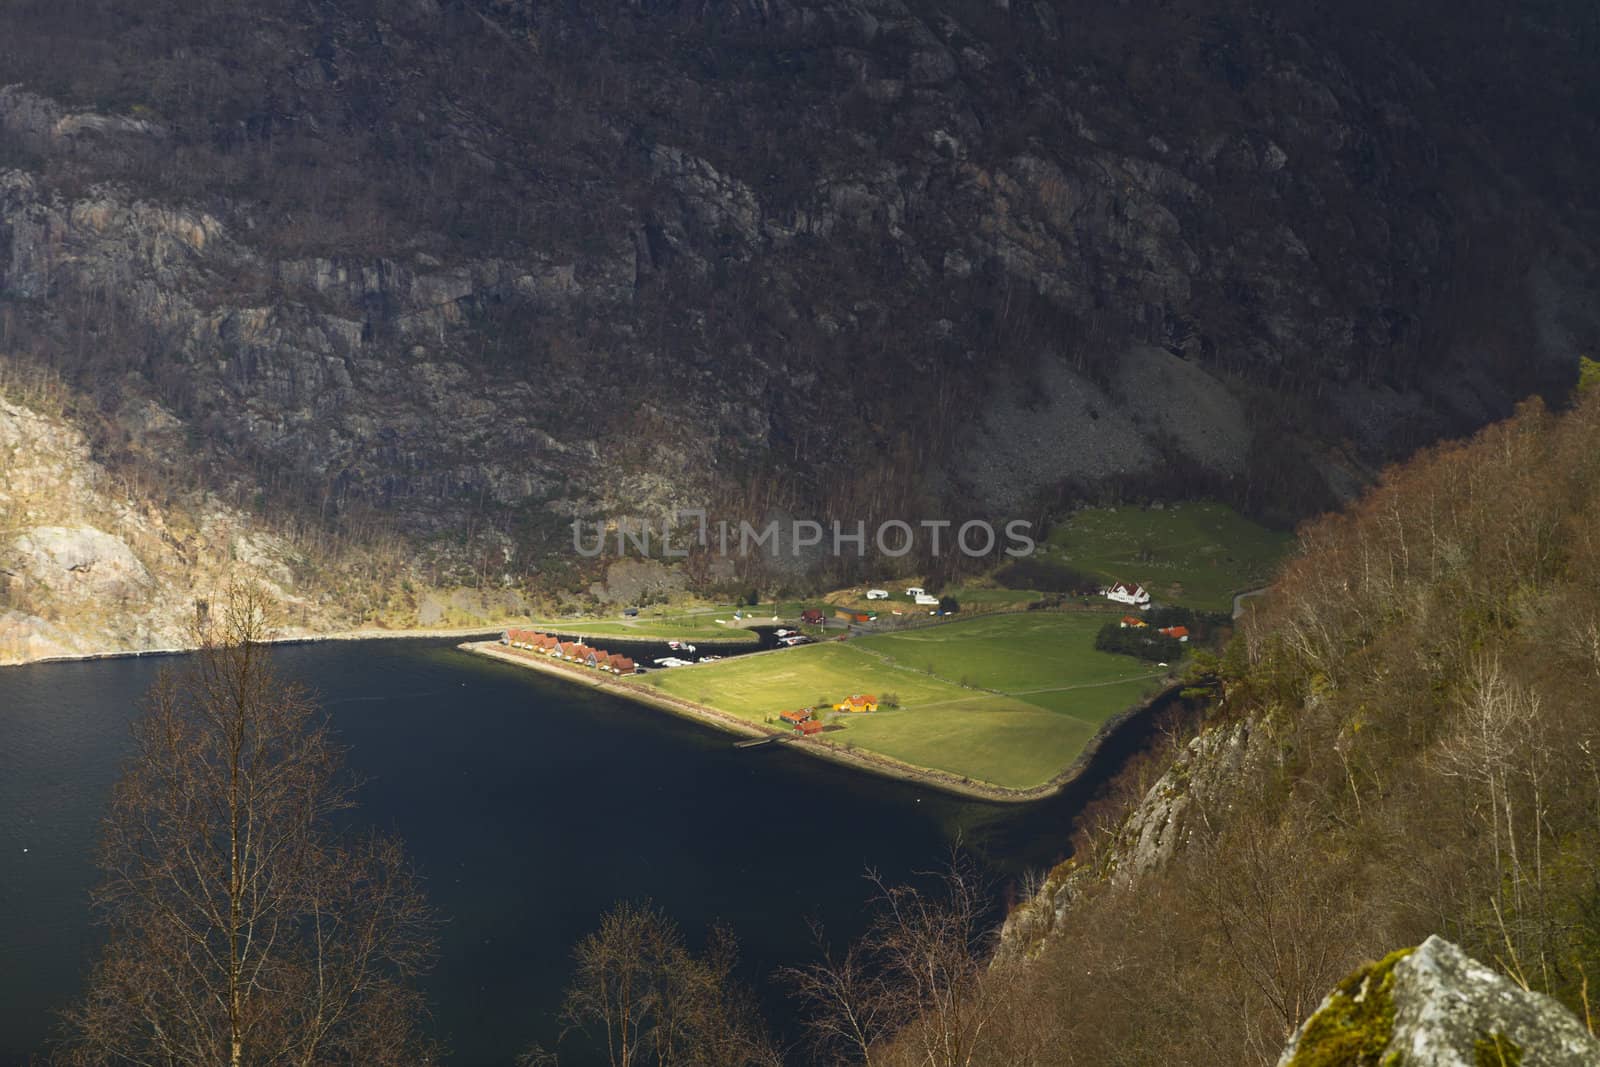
column 1007, row 707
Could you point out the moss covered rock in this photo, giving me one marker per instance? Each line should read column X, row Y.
column 1436, row 1007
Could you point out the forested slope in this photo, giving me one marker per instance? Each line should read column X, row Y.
column 1408, row 745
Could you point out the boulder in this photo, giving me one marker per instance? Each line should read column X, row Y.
column 1434, row 1006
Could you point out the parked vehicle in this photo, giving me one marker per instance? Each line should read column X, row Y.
column 925, row 600
column 631, row 612
column 877, row 594
column 916, row 591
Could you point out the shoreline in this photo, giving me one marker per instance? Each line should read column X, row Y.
column 444, row 634
column 872, row 763
column 418, row 634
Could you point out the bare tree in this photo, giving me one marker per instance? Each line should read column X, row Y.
column 243, row 929
column 850, row 1008
column 1282, row 927
column 641, row 991
column 922, row 976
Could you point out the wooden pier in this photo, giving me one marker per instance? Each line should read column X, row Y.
column 770, row 739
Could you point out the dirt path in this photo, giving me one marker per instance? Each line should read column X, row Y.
column 1238, row 601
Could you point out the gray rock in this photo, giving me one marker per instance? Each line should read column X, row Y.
column 1437, row 1007
column 77, row 558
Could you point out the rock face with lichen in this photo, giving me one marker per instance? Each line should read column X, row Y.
column 1202, row 778
column 1436, row 1007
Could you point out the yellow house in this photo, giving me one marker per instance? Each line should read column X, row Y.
column 857, row 702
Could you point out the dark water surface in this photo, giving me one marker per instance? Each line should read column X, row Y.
column 529, row 806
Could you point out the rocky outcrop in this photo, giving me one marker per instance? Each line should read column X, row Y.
column 1436, row 1007
column 89, row 565
column 1203, row 781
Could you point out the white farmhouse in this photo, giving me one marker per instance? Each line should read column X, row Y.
column 1134, row 594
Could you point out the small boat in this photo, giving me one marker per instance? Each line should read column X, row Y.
column 674, row 645
column 783, row 633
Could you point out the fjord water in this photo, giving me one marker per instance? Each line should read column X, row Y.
column 529, row 805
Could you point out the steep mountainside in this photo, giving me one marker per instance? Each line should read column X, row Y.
column 481, row 265
column 95, row 559
column 1400, row 743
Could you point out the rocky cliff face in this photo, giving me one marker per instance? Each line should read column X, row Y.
column 486, row 264
column 1203, row 779
column 86, row 566
column 94, row 560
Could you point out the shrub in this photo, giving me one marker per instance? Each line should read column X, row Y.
column 1143, row 643
column 1046, row 577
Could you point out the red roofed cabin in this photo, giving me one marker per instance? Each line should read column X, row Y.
column 522, row 638
column 812, row 617
column 809, row 727
column 795, row 718
column 622, row 665
column 1181, row 633
column 1133, row 622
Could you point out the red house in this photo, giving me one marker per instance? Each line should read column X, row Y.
column 795, row 718
column 809, row 727
column 812, row 617
column 1180, row 633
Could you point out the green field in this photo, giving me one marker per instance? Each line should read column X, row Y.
column 1197, row 554
column 1008, row 699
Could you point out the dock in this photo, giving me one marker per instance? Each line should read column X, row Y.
column 770, row 739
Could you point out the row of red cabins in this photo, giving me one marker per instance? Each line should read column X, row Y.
column 572, row 651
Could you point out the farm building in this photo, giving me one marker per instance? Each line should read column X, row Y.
column 809, row 727
column 1124, row 593
column 857, row 702
column 795, row 718
column 812, row 617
